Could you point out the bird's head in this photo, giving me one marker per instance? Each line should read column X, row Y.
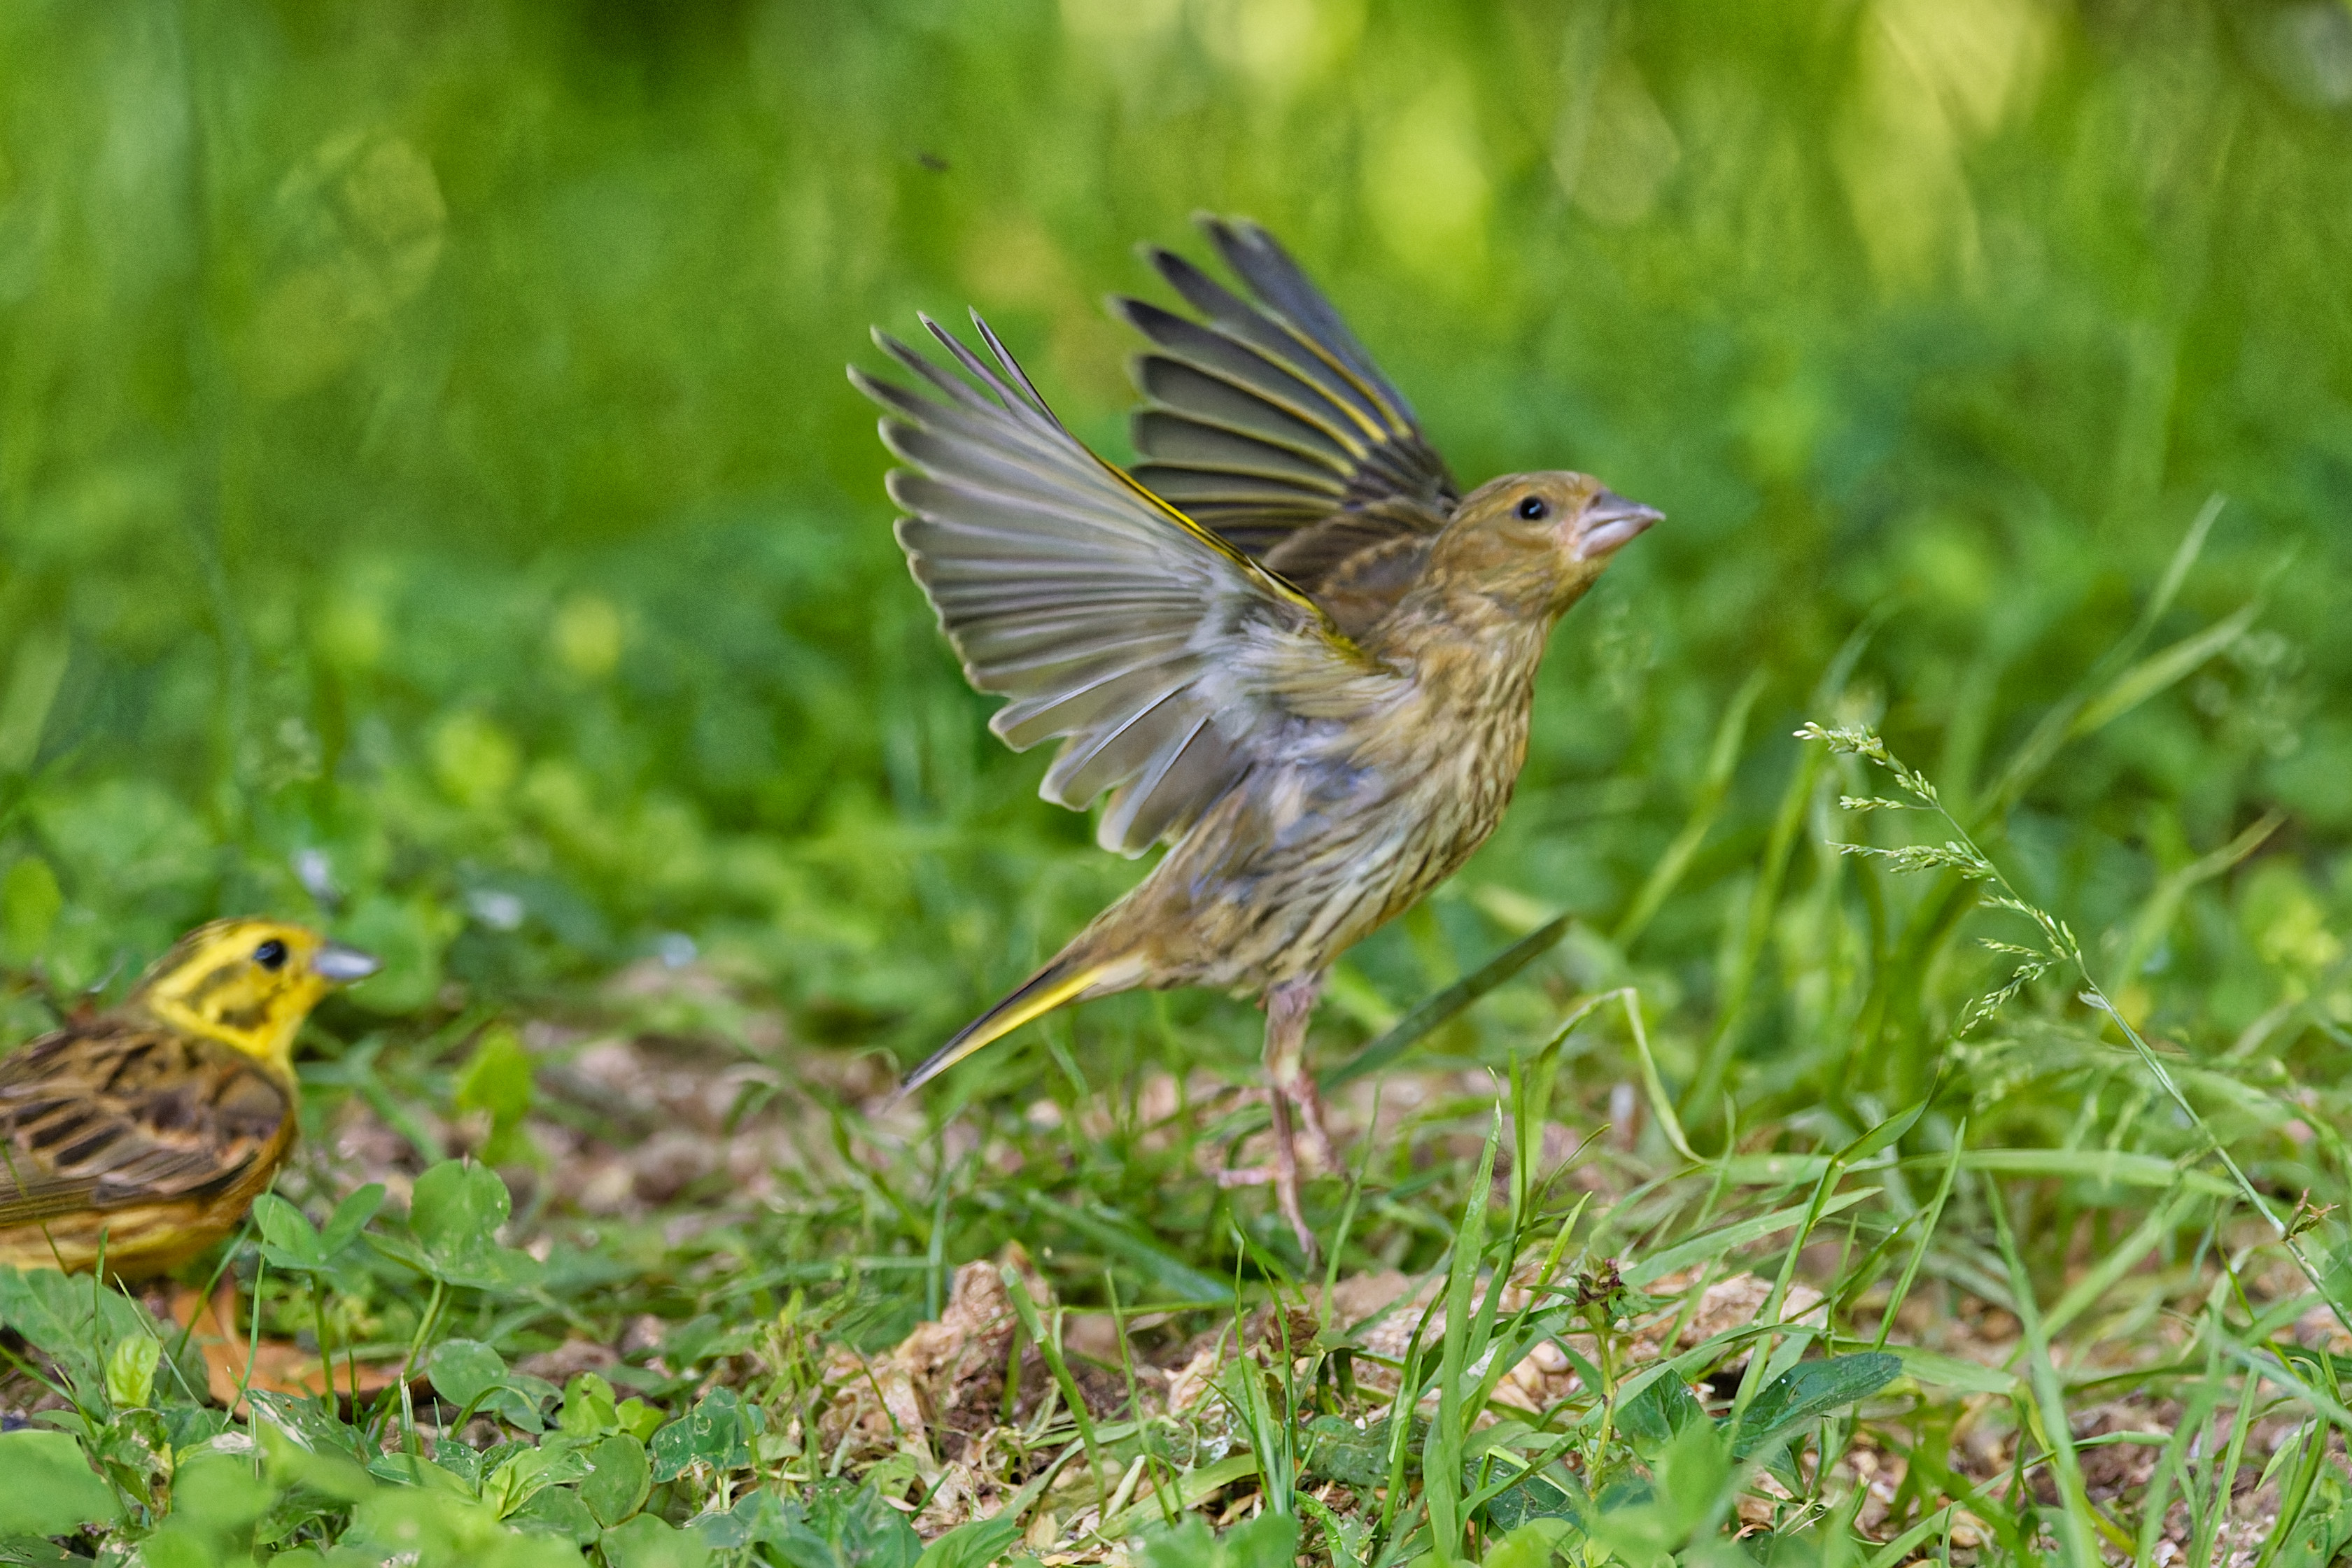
column 1530, row 544
column 248, row 983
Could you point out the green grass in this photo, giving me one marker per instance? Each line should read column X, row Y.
column 429, row 506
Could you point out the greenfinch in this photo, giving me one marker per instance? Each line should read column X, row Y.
column 1285, row 645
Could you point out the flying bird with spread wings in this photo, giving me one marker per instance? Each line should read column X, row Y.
column 1285, row 645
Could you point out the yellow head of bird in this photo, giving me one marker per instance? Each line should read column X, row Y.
column 248, row 983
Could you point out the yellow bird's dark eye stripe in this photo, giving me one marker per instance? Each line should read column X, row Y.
column 225, row 976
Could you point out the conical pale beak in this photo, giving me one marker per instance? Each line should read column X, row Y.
column 1610, row 523
column 342, row 965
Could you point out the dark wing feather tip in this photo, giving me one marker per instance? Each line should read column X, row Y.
column 1267, row 416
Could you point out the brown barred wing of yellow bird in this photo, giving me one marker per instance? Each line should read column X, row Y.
column 1286, row 646
column 143, row 1135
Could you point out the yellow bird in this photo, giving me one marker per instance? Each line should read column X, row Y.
column 145, row 1132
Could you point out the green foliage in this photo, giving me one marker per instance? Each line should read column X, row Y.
column 834, row 1526
column 1554, row 1500
column 2322, row 1533
column 716, row 1432
column 618, row 1478
column 29, row 903
column 471, row 1376
column 1806, row 1390
column 1268, row 1542
column 496, row 1083
column 289, row 1241
column 442, row 1528
column 46, row 1487
column 454, row 1214
column 216, row 1501
column 1690, row 1491
column 976, row 1543
column 647, row 1542
column 98, row 1341
column 131, row 1371
column 429, row 506
column 1655, row 1417
column 1337, row 1450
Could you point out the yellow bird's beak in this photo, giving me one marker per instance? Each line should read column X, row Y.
column 341, row 966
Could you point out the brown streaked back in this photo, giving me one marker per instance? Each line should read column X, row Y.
column 111, row 1114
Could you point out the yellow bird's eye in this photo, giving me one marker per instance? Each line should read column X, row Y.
column 270, row 955
column 1533, row 508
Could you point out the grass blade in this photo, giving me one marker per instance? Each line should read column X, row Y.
column 1171, row 1273
column 1723, row 759
column 1441, row 1009
column 1049, row 1345
column 1698, row 1249
column 2081, row 1524
column 1441, row 1471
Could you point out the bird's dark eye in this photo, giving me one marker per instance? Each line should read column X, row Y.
column 1533, row 508
column 270, row 955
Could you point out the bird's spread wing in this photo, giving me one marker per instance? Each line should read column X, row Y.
column 1162, row 654
column 110, row 1113
column 1270, row 422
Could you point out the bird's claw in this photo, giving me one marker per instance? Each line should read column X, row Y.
column 1282, row 1172
column 1322, row 1154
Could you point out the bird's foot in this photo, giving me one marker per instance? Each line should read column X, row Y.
column 1322, row 1154
column 1282, row 1172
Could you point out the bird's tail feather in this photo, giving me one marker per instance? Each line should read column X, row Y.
column 1060, row 981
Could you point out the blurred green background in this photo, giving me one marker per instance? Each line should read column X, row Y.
column 430, row 499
